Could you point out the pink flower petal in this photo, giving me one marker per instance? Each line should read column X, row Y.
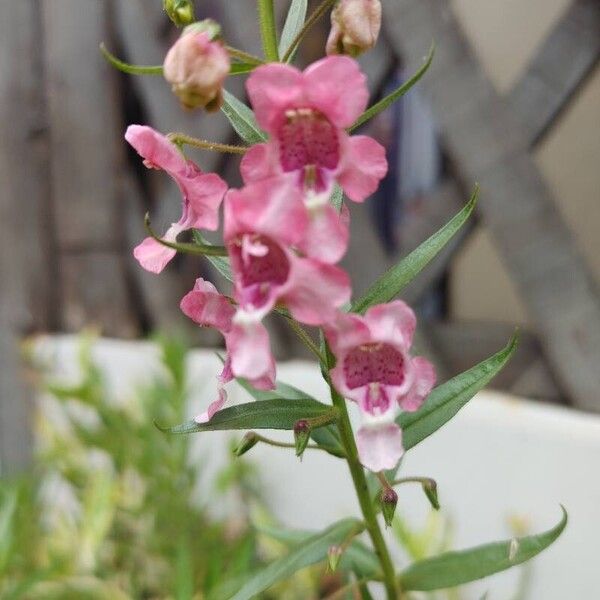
column 423, row 382
column 394, row 322
column 250, row 352
column 152, row 255
column 346, row 331
column 324, row 81
column 206, row 307
column 327, row 235
column 213, row 408
column 379, row 446
column 364, row 166
column 315, row 290
column 155, row 148
column 259, row 162
column 204, row 193
column 271, row 89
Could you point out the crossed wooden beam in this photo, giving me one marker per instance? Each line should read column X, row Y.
column 489, row 138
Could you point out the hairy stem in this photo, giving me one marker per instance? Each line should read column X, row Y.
column 244, row 56
column 183, row 139
column 312, row 19
column 364, row 499
column 268, row 33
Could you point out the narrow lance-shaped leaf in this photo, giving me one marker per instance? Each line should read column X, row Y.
column 402, row 273
column 239, row 68
column 220, row 263
column 242, row 119
column 455, row 568
column 447, row 399
column 293, row 24
column 279, row 413
column 396, row 94
column 313, row 550
column 327, row 437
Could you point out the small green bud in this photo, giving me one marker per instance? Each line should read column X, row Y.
column 247, row 443
column 301, row 436
column 430, row 490
column 389, row 499
column 334, row 554
column 208, row 26
column 181, row 12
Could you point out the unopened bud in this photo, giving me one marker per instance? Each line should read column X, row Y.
column 181, row 12
column 430, row 489
column 301, row 436
column 334, row 554
column 355, row 26
column 389, row 500
column 196, row 66
column 247, row 443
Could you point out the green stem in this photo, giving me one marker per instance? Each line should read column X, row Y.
column 312, row 19
column 362, row 491
column 270, row 442
column 181, row 139
column 268, row 33
column 244, row 56
column 305, row 338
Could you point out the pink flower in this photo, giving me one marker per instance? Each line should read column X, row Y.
column 375, row 370
column 306, row 115
column 202, row 193
column 196, row 67
column 266, row 224
column 355, row 26
column 248, row 352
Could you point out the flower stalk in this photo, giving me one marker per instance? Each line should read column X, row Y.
column 268, row 32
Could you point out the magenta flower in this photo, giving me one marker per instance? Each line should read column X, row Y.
column 306, row 115
column 266, row 226
column 248, row 351
column 202, row 193
column 375, row 370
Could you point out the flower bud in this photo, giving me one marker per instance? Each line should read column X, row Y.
column 301, row 436
column 181, row 12
column 247, row 443
column 196, row 67
column 355, row 26
column 430, row 489
column 389, row 499
column 334, row 554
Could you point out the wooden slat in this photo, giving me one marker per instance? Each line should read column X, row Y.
column 487, row 144
column 25, row 255
column 563, row 61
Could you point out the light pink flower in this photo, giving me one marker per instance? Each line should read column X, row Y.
column 196, row 67
column 202, row 193
column 248, row 352
column 375, row 370
column 266, row 224
column 306, row 115
column 355, row 26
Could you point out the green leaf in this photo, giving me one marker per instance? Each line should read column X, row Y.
column 127, row 68
column 396, row 94
column 239, row 68
column 242, row 119
column 220, row 263
column 455, row 568
column 447, row 399
column 357, row 556
column 268, row 31
column 278, row 413
column 313, row 550
column 402, row 273
column 327, row 436
column 293, row 24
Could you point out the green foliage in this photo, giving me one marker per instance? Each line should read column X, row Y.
column 293, row 24
column 454, row 568
column 242, row 119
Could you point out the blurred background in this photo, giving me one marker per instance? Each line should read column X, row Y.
column 512, row 101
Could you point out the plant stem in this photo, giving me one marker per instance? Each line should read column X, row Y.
column 277, row 444
column 244, row 56
column 182, row 138
column 305, row 338
column 268, row 33
column 312, row 19
column 364, row 499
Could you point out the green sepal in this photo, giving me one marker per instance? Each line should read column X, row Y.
column 456, row 568
column 248, row 442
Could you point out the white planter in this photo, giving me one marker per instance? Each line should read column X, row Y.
column 500, row 456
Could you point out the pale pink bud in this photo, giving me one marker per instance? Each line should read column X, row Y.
column 196, row 67
column 355, row 25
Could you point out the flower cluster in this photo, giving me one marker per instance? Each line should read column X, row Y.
column 284, row 238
